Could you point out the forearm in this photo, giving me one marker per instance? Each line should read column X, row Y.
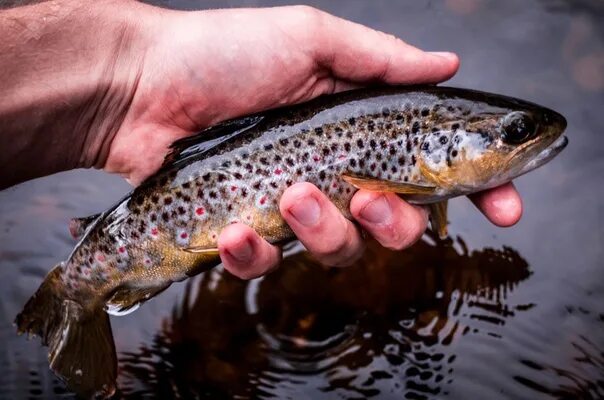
column 63, row 72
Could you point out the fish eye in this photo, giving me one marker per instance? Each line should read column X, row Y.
column 518, row 127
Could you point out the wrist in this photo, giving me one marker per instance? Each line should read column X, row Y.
column 69, row 73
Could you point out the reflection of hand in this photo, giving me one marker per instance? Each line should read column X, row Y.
column 159, row 75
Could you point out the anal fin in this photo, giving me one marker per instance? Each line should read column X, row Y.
column 127, row 298
column 438, row 218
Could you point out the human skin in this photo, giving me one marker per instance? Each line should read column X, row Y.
column 110, row 84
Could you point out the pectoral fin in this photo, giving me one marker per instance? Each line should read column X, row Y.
column 438, row 218
column 380, row 185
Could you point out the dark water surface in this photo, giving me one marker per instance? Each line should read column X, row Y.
column 514, row 313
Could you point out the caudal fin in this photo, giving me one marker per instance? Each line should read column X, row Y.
column 81, row 348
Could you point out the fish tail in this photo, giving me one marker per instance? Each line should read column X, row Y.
column 81, row 349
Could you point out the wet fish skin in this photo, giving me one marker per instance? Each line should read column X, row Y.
column 439, row 142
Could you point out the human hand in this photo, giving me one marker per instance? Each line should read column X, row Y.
column 158, row 75
column 199, row 73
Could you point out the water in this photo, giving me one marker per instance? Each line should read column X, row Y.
column 514, row 313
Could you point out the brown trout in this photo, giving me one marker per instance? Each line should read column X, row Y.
column 427, row 144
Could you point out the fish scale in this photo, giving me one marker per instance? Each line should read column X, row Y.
column 427, row 144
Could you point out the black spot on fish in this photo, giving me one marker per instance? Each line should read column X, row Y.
column 243, row 192
column 153, row 217
column 237, row 175
column 297, row 143
column 319, row 131
column 256, row 185
column 289, row 161
column 372, row 144
column 349, row 134
column 352, row 121
column 263, row 161
column 415, row 112
column 226, row 164
column 325, row 151
column 277, row 158
column 334, row 147
column 426, row 147
column 154, row 198
column 347, row 146
column 455, row 126
column 268, row 147
column 393, row 169
column 408, row 146
column 221, row 178
column 237, row 163
column 273, row 185
column 384, row 166
column 415, row 141
column 139, row 200
column 362, row 163
column 360, row 144
column 392, row 150
column 181, row 210
column 443, row 140
column 425, row 112
column 454, row 153
column 212, row 194
column 378, row 156
column 249, row 167
column 372, row 167
column 415, row 127
column 200, row 193
column 322, row 175
column 206, row 177
column 168, row 200
column 283, row 142
column 413, row 160
column 311, row 142
column 401, row 160
column 406, row 178
column 370, row 125
column 299, row 171
column 352, row 162
column 308, row 168
column 244, row 156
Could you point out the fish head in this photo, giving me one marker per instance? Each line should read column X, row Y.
column 485, row 140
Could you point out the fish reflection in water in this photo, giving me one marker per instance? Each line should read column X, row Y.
column 381, row 328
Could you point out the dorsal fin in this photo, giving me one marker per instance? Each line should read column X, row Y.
column 78, row 226
column 208, row 138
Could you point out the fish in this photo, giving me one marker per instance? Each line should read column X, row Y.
column 425, row 143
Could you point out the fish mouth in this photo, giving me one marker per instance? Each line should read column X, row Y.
column 545, row 155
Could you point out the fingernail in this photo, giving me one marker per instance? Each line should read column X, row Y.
column 445, row 54
column 306, row 211
column 378, row 211
column 242, row 252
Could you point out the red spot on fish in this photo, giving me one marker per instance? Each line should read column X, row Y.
column 233, row 188
column 100, row 257
column 262, row 200
column 248, row 218
column 334, row 185
column 341, row 157
column 147, row 261
column 154, row 231
column 214, row 236
column 184, row 235
column 278, row 171
column 122, row 249
column 316, row 158
column 200, row 211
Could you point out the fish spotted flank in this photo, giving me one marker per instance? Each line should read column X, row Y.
column 426, row 143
